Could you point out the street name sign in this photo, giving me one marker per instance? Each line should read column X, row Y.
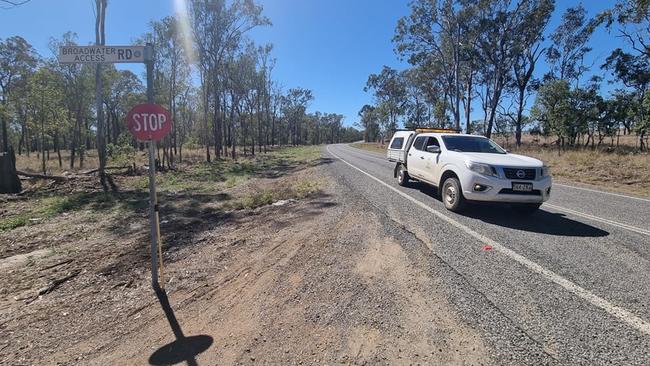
column 149, row 122
column 101, row 54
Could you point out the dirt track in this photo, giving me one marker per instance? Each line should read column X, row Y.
column 320, row 280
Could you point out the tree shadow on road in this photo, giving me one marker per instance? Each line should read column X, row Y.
column 183, row 349
column 542, row 222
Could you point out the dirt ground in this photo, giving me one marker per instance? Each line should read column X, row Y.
column 313, row 280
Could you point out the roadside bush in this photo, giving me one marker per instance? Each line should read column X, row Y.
column 122, row 153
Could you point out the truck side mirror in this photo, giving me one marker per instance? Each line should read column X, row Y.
column 434, row 149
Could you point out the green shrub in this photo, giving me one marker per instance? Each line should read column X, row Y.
column 13, row 222
column 122, row 153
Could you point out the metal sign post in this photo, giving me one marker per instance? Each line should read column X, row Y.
column 154, row 120
column 153, row 199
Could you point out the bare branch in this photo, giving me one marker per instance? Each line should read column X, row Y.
column 14, row 3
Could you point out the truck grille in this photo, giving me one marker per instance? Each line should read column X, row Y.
column 511, row 173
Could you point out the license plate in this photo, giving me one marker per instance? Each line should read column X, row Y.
column 522, row 187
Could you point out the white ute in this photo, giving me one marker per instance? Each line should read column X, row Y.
column 469, row 168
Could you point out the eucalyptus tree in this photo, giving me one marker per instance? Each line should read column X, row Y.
column 123, row 90
column 416, row 108
column 631, row 19
column 77, row 81
column 18, row 112
column 294, row 107
column 433, row 35
column 570, row 44
column 18, row 59
column 46, row 101
column 266, row 63
column 389, row 90
column 504, row 24
column 553, row 110
column 251, row 85
column 219, row 27
column 369, row 122
column 188, row 105
column 528, row 50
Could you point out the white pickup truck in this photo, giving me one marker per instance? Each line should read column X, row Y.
column 469, row 168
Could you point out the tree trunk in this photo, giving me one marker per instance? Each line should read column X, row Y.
column 468, row 106
column 498, row 87
column 232, row 136
column 5, row 135
column 9, row 182
column 520, row 111
column 205, row 116
column 58, row 149
column 21, row 142
column 43, row 144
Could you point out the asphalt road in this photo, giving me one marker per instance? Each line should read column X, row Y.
column 568, row 285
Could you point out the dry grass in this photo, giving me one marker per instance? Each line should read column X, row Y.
column 226, row 182
column 625, row 142
column 615, row 171
column 371, row 146
column 615, row 167
column 32, row 163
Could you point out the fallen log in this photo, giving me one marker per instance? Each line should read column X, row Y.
column 57, row 178
column 57, row 264
column 92, row 171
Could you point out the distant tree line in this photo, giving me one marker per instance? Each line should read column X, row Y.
column 217, row 84
column 468, row 56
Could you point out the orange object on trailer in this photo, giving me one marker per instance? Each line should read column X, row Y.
column 437, row 130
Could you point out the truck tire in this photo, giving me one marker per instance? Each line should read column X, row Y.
column 403, row 177
column 526, row 208
column 452, row 195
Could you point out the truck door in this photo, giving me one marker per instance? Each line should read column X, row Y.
column 415, row 162
column 431, row 169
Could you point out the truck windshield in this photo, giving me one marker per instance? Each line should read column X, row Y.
column 474, row 144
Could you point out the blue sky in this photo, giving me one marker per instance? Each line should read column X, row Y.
column 328, row 46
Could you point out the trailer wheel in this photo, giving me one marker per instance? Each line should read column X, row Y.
column 403, row 177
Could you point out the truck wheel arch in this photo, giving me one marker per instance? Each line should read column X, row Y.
column 448, row 173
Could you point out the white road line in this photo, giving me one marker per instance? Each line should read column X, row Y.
column 600, row 219
column 616, row 311
column 603, row 192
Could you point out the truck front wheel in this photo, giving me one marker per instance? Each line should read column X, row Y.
column 452, row 194
column 403, row 176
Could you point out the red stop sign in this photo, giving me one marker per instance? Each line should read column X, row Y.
column 149, row 122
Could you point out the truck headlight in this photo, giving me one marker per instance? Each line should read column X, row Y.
column 481, row 168
column 546, row 171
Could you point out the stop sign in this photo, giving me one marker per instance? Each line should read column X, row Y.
column 149, row 122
